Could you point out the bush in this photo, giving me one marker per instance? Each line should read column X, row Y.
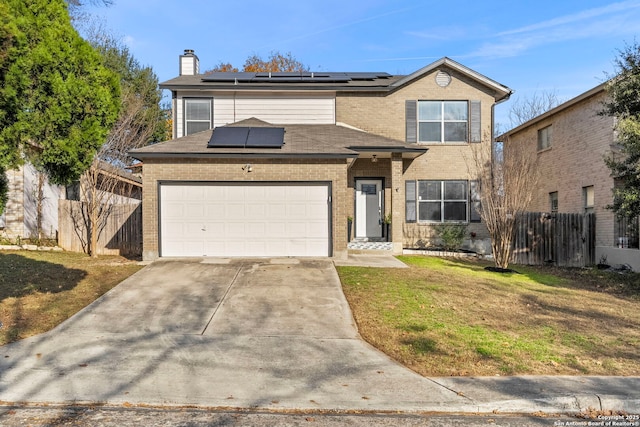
column 451, row 235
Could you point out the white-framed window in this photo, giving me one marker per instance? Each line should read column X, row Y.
column 553, row 201
column 544, row 137
column 443, row 121
column 436, row 201
column 197, row 115
column 588, row 196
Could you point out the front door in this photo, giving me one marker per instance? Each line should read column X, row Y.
column 369, row 208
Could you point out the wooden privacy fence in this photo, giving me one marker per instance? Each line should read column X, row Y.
column 565, row 240
column 121, row 234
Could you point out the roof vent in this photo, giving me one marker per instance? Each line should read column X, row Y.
column 443, row 79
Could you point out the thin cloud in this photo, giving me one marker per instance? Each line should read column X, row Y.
column 583, row 25
column 338, row 27
column 577, row 17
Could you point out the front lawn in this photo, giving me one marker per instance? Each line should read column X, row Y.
column 445, row 317
column 38, row 290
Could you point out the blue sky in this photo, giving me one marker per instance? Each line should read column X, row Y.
column 562, row 46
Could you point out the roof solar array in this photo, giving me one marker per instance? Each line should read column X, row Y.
column 246, row 137
column 229, row 137
column 292, row 77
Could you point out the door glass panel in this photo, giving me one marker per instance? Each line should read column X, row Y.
column 369, row 189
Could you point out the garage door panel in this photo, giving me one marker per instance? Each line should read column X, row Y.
column 256, row 212
column 315, row 230
column 277, row 210
column 193, row 210
column 174, row 210
column 218, row 219
column 235, row 210
column 214, row 210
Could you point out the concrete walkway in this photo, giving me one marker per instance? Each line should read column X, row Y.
column 272, row 334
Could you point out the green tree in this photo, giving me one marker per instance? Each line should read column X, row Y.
column 8, row 34
column 140, row 91
column 141, row 121
column 624, row 104
column 55, row 94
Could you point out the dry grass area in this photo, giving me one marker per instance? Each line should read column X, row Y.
column 446, row 317
column 38, row 290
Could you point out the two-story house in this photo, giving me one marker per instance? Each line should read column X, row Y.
column 570, row 143
column 275, row 164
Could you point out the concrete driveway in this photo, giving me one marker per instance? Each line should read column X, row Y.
column 269, row 334
column 274, row 334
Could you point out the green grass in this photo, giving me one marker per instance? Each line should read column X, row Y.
column 39, row 290
column 453, row 317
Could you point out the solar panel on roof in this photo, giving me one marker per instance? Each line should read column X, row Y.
column 292, row 77
column 265, row 138
column 245, row 137
column 231, row 137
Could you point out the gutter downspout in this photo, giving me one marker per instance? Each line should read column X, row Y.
column 493, row 127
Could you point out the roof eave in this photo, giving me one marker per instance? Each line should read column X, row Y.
column 588, row 94
column 502, row 92
column 253, row 155
column 297, row 88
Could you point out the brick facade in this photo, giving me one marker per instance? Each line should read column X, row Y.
column 265, row 170
column 385, row 115
column 376, row 107
column 581, row 138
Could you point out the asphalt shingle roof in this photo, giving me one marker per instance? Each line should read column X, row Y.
column 300, row 140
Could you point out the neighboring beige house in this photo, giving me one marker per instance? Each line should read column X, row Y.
column 274, row 164
column 570, row 143
column 20, row 220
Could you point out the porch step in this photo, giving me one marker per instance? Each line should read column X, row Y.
column 359, row 245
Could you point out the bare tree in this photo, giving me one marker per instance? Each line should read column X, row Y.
column 505, row 183
column 105, row 182
column 525, row 109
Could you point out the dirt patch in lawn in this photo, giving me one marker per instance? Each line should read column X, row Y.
column 453, row 317
column 39, row 290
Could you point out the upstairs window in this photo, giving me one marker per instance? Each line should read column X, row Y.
column 442, row 122
column 544, row 138
column 197, row 115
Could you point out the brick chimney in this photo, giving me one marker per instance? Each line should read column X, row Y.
column 189, row 63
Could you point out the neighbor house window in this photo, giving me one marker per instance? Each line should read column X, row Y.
column 197, row 115
column 443, row 121
column 626, row 232
column 436, row 201
column 588, row 197
column 544, row 138
column 553, row 201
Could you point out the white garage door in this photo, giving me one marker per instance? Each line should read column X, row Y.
column 225, row 219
